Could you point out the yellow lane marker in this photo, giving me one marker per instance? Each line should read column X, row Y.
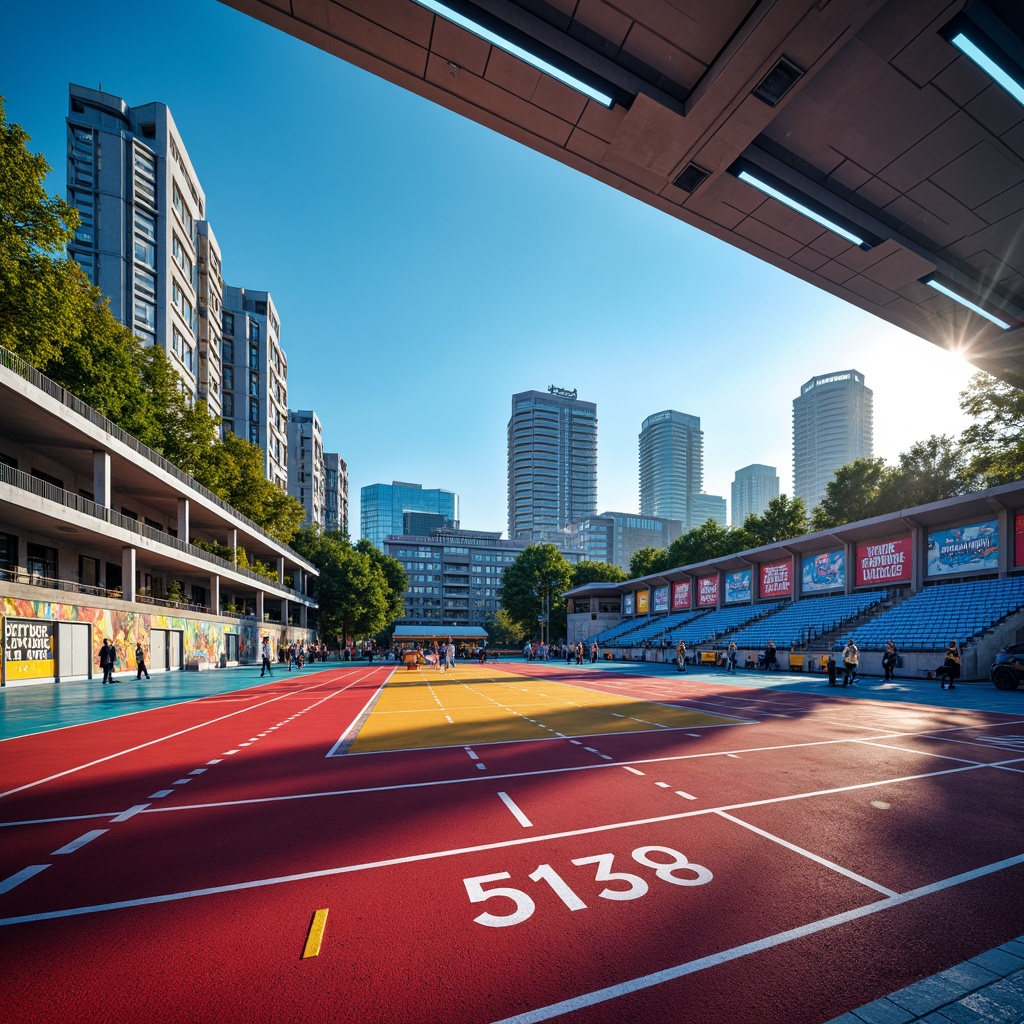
column 316, row 934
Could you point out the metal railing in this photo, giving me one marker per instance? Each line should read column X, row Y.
column 50, row 492
column 29, row 373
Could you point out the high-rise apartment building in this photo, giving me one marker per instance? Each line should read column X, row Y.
column 832, row 426
column 381, row 508
column 552, row 462
column 140, row 239
column 307, row 476
column 614, row 537
column 707, row 506
column 752, row 488
column 256, row 377
column 335, row 493
column 671, row 466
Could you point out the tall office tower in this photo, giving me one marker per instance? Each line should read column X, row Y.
column 141, row 205
column 832, row 425
column 707, row 506
column 256, row 377
column 552, row 462
column 614, row 537
column 671, row 466
column 307, row 476
column 381, row 508
column 753, row 487
column 335, row 492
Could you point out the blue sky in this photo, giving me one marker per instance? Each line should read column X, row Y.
column 426, row 268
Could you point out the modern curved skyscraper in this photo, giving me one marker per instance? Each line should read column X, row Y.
column 671, row 465
column 552, row 462
column 833, row 424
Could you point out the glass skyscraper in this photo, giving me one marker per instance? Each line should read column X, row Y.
column 753, row 487
column 832, row 426
column 552, row 462
column 381, row 507
column 671, row 466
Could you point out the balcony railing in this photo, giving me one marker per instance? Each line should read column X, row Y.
column 25, row 482
column 54, row 390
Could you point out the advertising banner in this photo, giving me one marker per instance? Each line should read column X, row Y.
column 777, row 579
column 885, row 562
column 826, row 571
column 643, row 602
column 964, row 548
column 627, row 604
column 1018, row 539
column 660, row 600
column 707, row 591
column 28, row 649
column 737, row 586
column 682, row 596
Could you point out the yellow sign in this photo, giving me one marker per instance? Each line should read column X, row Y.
column 28, row 649
column 643, row 602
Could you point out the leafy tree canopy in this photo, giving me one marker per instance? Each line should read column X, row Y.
column 596, row 572
column 539, row 574
column 783, row 519
column 647, row 561
column 994, row 442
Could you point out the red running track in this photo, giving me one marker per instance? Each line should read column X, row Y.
column 167, row 866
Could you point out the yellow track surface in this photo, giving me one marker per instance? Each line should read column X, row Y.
column 471, row 704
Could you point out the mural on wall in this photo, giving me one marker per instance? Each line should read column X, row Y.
column 202, row 639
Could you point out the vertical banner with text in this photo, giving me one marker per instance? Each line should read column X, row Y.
column 28, row 649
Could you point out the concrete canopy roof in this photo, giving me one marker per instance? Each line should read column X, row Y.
column 859, row 107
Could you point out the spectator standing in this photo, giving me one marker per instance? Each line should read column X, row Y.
column 730, row 657
column 681, row 656
column 771, row 659
column 265, row 657
column 889, row 660
column 851, row 659
column 108, row 659
column 140, row 661
column 950, row 666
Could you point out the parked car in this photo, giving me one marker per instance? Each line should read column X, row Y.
column 1007, row 669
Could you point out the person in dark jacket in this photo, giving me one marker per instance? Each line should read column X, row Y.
column 950, row 670
column 140, row 661
column 108, row 659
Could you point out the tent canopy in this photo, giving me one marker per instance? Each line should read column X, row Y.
column 427, row 634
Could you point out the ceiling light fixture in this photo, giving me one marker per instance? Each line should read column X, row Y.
column 972, row 306
column 549, row 62
column 975, row 33
column 772, row 186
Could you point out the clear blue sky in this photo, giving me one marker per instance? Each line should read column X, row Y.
column 426, row 268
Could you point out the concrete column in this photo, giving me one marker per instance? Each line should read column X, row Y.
column 259, row 605
column 128, row 573
column 280, row 571
column 101, row 478
column 298, row 581
column 303, row 617
column 183, row 527
column 215, row 594
column 284, row 612
column 232, row 543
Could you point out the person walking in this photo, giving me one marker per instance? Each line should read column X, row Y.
column 851, row 658
column 771, row 657
column 889, row 660
column 265, row 657
column 140, row 662
column 594, row 652
column 730, row 657
column 950, row 666
column 449, row 655
column 108, row 659
column 681, row 656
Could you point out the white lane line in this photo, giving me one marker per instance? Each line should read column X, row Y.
column 592, row 750
column 685, row 795
column 481, row 766
column 831, row 865
column 348, row 737
column 197, row 771
column 737, row 756
column 448, row 719
column 21, row 876
column 181, row 782
column 715, row 959
column 635, row 771
column 244, row 745
column 77, row 844
column 160, row 793
column 472, row 753
column 516, row 812
column 216, row 760
column 695, row 735
column 663, row 785
column 130, row 813
column 228, row 753
column 159, row 739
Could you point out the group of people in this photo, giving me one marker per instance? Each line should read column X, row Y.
column 108, row 661
column 442, row 656
column 535, row 650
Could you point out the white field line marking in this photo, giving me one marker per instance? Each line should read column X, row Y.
column 77, row 844
column 831, row 865
column 685, row 795
column 682, row 970
column 197, row 771
column 472, row 753
column 159, row 739
column 635, row 771
column 21, row 876
column 344, row 740
column 516, row 812
column 160, row 794
column 181, row 782
column 911, row 750
column 663, row 785
column 130, row 813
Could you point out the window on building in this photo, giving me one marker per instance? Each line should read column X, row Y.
column 254, row 384
column 228, row 322
column 88, row 571
column 254, row 357
column 229, row 378
column 41, row 561
column 8, row 554
column 254, row 410
column 254, row 331
column 254, row 433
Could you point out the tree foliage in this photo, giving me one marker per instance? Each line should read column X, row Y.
column 783, row 519
column 596, row 572
column 504, row 631
column 647, row 562
column 994, row 443
column 712, row 540
column 540, row 575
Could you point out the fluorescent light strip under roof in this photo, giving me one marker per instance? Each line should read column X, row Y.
column 516, row 51
column 973, row 306
column 794, row 204
column 998, row 74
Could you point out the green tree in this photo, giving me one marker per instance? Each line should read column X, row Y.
column 648, row 561
column 537, row 579
column 596, row 572
column 994, row 442
column 852, row 495
column 393, row 572
column 783, row 519
column 504, row 631
column 931, row 470
column 712, row 540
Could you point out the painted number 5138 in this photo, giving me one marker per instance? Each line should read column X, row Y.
column 676, row 870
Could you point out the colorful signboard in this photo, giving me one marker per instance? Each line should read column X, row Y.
column 660, row 599
column 1018, row 539
column 643, row 602
column 964, row 548
column 888, row 561
column 682, row 595
column 28, row 649
column 777, row 579
column 707, row 591
column 737, row 586
column 628, row 604
column 826, row 571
